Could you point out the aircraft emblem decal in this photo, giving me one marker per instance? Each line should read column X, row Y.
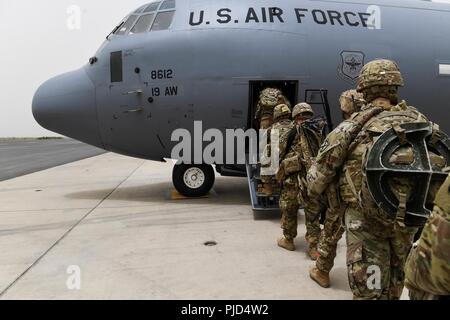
column 351, row 65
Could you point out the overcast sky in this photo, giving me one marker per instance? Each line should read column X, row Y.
column 38, row 44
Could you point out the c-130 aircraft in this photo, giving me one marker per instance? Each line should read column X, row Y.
column 170, row 63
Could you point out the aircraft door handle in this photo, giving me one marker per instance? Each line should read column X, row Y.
column 139, row 91
column 137, row 110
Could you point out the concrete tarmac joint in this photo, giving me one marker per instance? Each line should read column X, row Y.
column 101, row 228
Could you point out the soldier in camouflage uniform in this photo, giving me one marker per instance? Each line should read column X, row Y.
column 288, row 197
column 377, row 244
column 269, row 98
column 306, row 148
column 350, row 102
column 428, row 265
column 294, row 164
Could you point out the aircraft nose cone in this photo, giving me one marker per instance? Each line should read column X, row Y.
column 66, row 105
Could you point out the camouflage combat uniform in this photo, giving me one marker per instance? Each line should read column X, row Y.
column 289, row 203
column 428, row 265
column 269, row 98
column 289, row 190
column 295, row 164
column 307, row 152
column 376, row 243
column 350, row 102
column 333, row 228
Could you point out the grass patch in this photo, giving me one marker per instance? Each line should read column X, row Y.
column 50, row 138
column 7, row 139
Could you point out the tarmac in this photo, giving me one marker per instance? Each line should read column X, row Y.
column 111, row 218
column 19, row 157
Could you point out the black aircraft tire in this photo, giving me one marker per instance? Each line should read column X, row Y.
column 193, row 180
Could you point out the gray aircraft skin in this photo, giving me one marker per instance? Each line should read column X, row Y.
column 140, row 87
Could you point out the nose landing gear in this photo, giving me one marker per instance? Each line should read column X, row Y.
column 193, row 180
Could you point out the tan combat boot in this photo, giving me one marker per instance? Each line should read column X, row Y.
column 287, row 244
column 312, row 253
column 322, row 278
column 267, row 189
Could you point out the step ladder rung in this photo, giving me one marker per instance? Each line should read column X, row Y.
column 260, row 202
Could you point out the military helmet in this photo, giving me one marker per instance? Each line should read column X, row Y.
column 283, row 100
column 351, row 94
column 302, row 108
column 351, row 101
column 269, row 97
column 380, row 73
column 281, row 111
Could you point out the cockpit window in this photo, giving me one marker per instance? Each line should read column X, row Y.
column 141, row 8
column 163, row 21
column 152, row 7
column 127, row 25
column 168, row 4
column 143, row 24
column 153, row 16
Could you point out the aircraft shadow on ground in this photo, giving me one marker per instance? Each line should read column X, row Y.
column 227, row 191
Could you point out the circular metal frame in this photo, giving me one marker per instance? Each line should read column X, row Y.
column 420, row 173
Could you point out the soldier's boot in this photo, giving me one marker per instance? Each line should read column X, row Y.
column 287, row 244
column 320, row 277
column 267, row 189
column 312, row 253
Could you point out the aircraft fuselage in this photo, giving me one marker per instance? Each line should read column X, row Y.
column 144, row 86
